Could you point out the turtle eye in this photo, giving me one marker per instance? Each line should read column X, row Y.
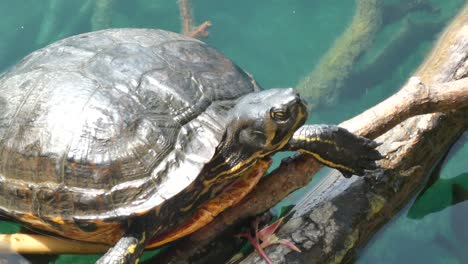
column 279, row 114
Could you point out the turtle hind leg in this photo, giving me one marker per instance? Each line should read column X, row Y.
column 337, row 148
column 129, row 248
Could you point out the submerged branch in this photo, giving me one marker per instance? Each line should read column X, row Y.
column 186, row 16
column 187, row 22
column 326, row 81
column 201, row 31
column 336, row 74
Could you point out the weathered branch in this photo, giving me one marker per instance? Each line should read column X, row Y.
column 298, row 171
column 412, row 148
column 446, row 64
column 330, row 225
column 414, row 99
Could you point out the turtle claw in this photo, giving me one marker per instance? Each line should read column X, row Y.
column 269, row 230
column 372, row 143
column 337, row 148
column 265, row 237
column 361, row 155
column 289, row 244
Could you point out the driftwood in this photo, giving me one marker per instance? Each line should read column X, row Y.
column 412, row 148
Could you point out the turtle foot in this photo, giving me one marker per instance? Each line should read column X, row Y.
column 263, row 238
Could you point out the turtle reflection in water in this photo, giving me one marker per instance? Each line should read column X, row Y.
column 136, row 137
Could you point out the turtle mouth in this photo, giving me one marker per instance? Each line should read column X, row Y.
column 301, row 103
column 302, row 112
column 301, row 108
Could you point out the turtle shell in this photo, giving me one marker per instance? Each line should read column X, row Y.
column 111, row 123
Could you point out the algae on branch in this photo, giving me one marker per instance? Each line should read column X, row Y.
column 323, row 85
column 397, row 49
column 337, row 68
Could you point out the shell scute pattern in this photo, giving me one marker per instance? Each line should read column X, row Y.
column 111, row 123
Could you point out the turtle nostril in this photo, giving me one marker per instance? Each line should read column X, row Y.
column 298, row 99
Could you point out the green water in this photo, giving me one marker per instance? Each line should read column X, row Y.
column 280, row 42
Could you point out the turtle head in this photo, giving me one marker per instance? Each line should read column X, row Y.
column 263, row 122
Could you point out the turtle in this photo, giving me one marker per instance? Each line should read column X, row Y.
column 136, row 137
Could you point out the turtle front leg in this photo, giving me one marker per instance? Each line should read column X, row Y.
column 129, row 248
column 337, row 148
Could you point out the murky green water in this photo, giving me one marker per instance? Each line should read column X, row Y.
column 280, row 42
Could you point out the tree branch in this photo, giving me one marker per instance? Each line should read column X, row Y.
column 442, row 93
column 330, row 225
column 414, row 99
